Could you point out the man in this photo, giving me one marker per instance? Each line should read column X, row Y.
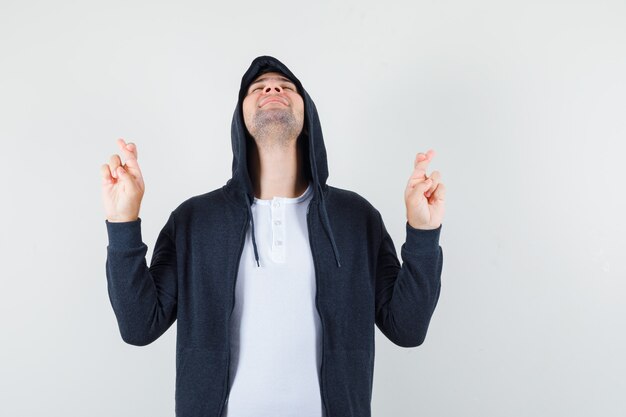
column 276, row 279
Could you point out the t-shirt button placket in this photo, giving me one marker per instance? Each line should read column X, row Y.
column 278, row 232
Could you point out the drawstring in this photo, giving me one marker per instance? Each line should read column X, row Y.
column 325, row 222
column 256, row 253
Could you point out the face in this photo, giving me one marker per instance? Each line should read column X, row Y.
column 273, row 107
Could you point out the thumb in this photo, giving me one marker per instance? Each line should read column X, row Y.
column 121, row 172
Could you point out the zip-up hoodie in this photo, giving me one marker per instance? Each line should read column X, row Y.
column 191, row 279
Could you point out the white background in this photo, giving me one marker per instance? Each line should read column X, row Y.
column 524, row 103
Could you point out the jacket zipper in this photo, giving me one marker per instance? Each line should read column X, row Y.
column 236, row 269
column 323, row 393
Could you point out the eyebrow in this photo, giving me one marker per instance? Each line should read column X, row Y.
column 265, row 78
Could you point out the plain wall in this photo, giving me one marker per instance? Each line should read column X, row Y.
column 524, row 103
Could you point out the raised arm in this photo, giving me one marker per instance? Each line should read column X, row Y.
column 143, row 299
column 407, row 294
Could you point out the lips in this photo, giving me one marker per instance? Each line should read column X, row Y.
column 272, row 99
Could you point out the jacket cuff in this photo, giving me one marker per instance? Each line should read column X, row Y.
column 124, row 234
column 419, row 240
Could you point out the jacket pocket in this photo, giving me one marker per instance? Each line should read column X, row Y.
column 200, row 382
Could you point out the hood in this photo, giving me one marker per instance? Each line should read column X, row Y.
column 239, row 186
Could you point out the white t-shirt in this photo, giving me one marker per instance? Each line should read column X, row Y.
column 275, row 330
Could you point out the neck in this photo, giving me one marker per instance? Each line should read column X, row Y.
column 277, row 170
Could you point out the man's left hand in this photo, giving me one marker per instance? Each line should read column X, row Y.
column 424, row 195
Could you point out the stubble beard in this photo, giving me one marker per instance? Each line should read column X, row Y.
column 275, row 127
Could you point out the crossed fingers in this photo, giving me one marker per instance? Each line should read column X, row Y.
column 419, row 172
column 129, row 151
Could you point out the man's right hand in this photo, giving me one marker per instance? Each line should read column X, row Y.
column 122, row 185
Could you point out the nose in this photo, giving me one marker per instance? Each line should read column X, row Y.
column 273, row 86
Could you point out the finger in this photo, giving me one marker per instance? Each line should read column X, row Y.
column 133, row 148
column 413, row 181
column 423, row 159
column 419, row 187
column 114, row 162
column 440, row 192
column 418, row 174
column 418, row 158
column 436, row 177
column 105, row 172
column 130, row 155
column 126, row 178
column 129, row 150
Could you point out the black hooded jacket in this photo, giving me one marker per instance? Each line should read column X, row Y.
column 360, row 283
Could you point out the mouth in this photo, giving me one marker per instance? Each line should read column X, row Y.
column 273, row 100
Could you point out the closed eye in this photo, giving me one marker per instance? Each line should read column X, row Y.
column 285, row 87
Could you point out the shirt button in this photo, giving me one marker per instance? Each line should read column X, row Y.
column 276, row 204
column 279, row 242
column 276, row 221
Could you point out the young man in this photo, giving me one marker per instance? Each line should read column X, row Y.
column 276, row 279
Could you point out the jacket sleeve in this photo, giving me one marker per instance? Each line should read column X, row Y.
column 143, row 299
column 406, row 296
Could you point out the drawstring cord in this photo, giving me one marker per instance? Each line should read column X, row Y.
column 256, row 253
column 329, row 231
